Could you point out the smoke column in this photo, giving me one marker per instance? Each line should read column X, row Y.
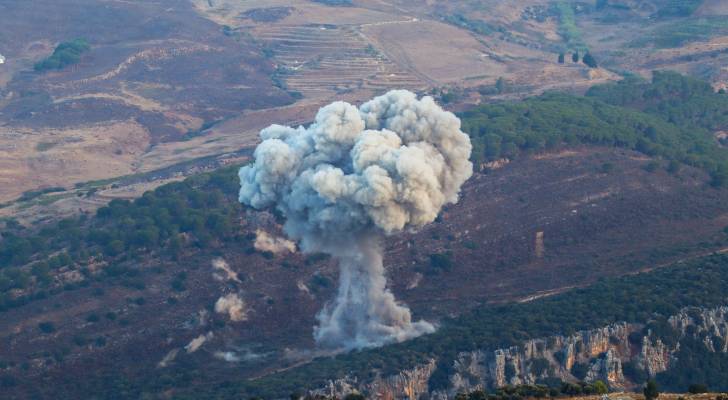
column 351, row 178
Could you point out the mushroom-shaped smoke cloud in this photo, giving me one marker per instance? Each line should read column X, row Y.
column 350, row 178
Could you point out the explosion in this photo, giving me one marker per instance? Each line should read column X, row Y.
column 351, row 178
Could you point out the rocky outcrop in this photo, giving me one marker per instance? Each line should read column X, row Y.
column 408, row 384
column 598, row 352
column 591, row 355
column 654, row 357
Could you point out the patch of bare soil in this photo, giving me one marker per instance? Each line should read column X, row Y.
column 30, row 159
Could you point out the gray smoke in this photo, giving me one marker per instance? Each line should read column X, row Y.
column 350, row 178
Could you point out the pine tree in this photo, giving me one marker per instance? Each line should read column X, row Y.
column 651, row 391
column 561, row 58
column 575, row 57
column 589, row 60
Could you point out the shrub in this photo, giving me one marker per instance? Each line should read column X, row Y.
column 47, row 327
column 651, row 391
column 696, row 388
column 441, row 261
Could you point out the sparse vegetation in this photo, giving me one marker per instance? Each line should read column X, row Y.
column 567, row 25
column 32, row 194
column 678, row 8
column 335, row 3
column 203, row 208
column 679, row 33
column 477, row 26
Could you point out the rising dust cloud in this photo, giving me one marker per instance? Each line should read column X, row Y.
column 352, row 177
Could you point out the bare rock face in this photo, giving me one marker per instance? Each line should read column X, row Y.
column 601, row 350
column 654, row 357
column 607, row 369
column 597, row 354
column 407, row 384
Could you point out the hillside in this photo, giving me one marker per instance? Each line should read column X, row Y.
column 167, row 83
column 128, row 295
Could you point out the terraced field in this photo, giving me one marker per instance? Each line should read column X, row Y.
column 321, row 60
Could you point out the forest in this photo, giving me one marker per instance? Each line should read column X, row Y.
column 673, row 118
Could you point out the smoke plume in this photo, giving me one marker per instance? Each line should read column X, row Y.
column 273, row 244
column 223, row 272
column 350, row 178
column 197, row 342
column 233, row 306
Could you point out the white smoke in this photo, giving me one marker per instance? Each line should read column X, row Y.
column 168, row 358
column 228, row 356
column 197, row 342
column 233, row 306
column 351, row 177
column 223, row 271
column 273, row 244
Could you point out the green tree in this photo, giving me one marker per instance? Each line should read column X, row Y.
column 562, row 57
column 696, row 388
column 501, row 85
column 589, row 60
column 441, row 261
column 651, row 391
column 575, row 56
column 601, row 387
column 478, row 152
column 47, row 327
column 492, row 146
column 115, row 247
column 673, row 167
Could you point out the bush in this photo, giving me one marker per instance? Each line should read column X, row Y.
column 696, row 388
column 539, row 366
column 652, row 166
column 7, row 381
column 47, row 327
column 579, row 370
column 651, row 391
column 441, row 261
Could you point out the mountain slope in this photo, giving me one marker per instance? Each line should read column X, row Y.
column 128, row 296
